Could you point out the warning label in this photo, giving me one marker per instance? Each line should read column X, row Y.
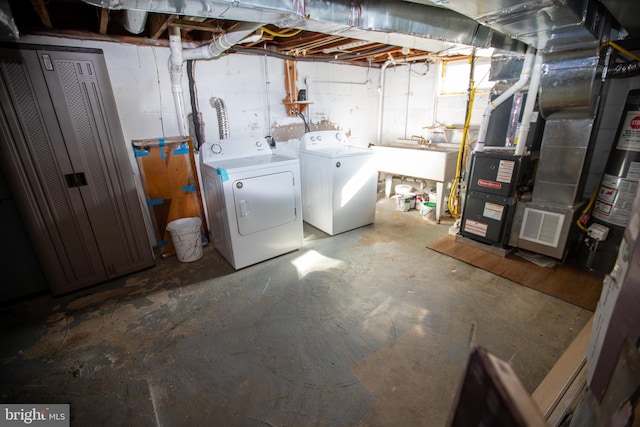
column 493, row 211
column 475, row 227
column 489, row 184
column 614, row 203
column 505, row 170
column 629, row 138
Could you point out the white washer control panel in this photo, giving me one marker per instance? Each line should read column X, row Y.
column 323, row 139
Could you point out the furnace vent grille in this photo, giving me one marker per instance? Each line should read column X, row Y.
column 541, row 227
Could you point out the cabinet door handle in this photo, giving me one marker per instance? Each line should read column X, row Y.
column 75, row 179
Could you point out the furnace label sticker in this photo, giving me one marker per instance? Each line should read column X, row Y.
column 629, row 138
column 493, row 211
column 489, row 184
column 475, row 227
column 505, row 171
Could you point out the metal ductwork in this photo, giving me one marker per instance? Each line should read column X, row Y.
column 626, row 13
column 8, row 26
column 406, row 24
column 283, row 13
column 135, row 20
column 548, row 25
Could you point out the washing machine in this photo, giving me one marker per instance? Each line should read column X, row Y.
column 253, row 200
column 339, row 182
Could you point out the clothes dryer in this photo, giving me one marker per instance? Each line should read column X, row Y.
column 339, row 182
column 253, row 200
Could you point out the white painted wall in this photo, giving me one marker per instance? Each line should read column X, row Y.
column 252, row 87
column 409, row 100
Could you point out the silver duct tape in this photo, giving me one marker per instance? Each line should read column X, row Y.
column 570, row 86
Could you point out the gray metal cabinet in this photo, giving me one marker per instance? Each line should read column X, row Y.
column 64, row 154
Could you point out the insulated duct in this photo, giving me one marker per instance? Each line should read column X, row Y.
column 547, row 25
column 417, row 26
column 135, row 21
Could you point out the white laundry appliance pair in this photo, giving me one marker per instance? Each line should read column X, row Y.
column 253, row 200
column 339, row 182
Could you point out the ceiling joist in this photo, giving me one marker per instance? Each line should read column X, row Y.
column 41, row 9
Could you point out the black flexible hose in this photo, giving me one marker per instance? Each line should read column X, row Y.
column 306, row 126
column 626, row 69
column 195, row 113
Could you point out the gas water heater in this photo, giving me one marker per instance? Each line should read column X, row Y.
column 614, row 201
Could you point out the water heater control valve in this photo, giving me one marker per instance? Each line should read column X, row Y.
column 598, row 232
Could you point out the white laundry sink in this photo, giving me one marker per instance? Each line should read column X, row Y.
column 433, row 162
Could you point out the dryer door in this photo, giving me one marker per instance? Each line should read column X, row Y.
column 264, row 202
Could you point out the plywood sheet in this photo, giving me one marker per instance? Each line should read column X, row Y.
column 171, row 186
column 566, row 282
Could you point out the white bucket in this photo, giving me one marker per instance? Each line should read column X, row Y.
column 428, row 211
column 403, row 189
column 403, row 203
column 186, row 238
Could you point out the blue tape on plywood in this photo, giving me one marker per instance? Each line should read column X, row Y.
column 139, row 152
column 155, row 202
column 183, row 149
column 162, row 243
column 223, row 174
column 161, row 142
column 187, row 188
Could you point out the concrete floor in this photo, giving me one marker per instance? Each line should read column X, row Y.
column 366, row 328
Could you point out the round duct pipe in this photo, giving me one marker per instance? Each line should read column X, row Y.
column 135, row 20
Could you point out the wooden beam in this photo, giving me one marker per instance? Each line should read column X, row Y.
column 41, row 9
column 158, row 23
column 194, row 25
column 104, row 20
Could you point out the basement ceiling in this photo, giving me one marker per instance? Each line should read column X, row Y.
column 305, row 41
column 365, row 33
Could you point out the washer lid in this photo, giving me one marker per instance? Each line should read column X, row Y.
column 339, row 151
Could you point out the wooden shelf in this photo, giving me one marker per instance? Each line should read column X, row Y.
column 291, row 100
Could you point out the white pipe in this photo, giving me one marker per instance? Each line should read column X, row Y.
column 222, row 43
column 212, row 50
column 525, row 125
column 381, row 85
column 175, row 71
column 524, row 77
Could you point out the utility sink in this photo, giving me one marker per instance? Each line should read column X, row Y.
column 432, row 162
column 416, row 145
